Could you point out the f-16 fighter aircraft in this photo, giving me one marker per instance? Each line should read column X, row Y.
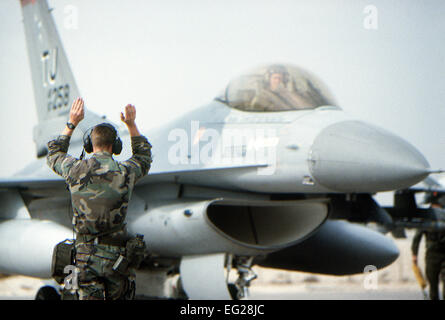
column 271, row 172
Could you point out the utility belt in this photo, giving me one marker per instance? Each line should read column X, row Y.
column 65, row 252
column 104, row 237
column 106, row 240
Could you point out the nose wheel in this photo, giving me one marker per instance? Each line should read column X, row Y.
column 47, row 293
column 243, row 265
column 207, row 276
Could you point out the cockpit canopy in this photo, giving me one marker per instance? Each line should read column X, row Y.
column 277, row 87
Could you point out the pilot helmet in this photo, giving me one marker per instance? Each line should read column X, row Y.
column 277, row 68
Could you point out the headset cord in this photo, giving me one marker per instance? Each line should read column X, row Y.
column 82, row 155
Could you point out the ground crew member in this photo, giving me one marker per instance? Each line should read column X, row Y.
column 100, row 190
column 434, row 258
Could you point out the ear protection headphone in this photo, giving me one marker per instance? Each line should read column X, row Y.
column 88, row 145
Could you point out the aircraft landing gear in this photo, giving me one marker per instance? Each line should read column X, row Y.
column 209, row 276
column 240, row 289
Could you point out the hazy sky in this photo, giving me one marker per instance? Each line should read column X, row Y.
column 167, row 57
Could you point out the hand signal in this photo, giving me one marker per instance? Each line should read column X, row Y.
column 130, row 115
column 77, row 111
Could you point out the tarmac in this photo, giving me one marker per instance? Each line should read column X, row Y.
column 25, row 288
column 333, row 293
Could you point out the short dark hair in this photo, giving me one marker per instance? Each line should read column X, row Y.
column 103, row 136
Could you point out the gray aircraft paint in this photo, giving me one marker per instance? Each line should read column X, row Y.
column 376, row 152
column 307, row 163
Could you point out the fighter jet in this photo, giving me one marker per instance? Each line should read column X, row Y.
column 410, row 211
column 272, row 172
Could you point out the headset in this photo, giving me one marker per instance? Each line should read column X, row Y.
column 88, row 145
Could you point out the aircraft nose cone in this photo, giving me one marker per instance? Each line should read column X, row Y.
column 353, row 156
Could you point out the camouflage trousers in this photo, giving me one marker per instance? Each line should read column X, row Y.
column 97, row 280
column 435, row 272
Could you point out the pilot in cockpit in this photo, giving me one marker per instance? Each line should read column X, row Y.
column 275, row 94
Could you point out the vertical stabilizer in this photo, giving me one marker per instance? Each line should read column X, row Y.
column 53, row 82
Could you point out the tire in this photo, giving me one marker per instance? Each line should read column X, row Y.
column 47, row 293
column 233, row 290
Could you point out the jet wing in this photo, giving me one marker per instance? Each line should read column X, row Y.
column 52, row 181
column 30, row 182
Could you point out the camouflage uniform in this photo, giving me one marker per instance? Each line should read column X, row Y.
column 100, row 191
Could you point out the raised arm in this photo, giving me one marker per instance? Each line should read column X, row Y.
column 129, row 119
column 141, row 160
column 58, row 159
column 77, row 114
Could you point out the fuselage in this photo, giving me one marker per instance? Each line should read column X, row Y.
column 321, row 150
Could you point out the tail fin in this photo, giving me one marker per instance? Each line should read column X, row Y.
column 53, row 82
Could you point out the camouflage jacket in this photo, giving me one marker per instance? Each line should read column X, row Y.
column 100, row 187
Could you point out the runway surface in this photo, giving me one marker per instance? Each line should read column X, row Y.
column 318, row 294
column 25, row 288
column 329, row 294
